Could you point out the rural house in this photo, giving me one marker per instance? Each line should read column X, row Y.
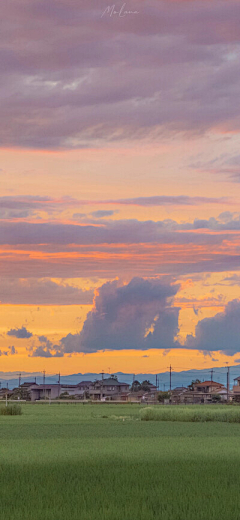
column 44, row 391
column 109, row 388
column 207, row 387
column 78, row 390
column 236, row 389
column 204, row 392
column 197, row 392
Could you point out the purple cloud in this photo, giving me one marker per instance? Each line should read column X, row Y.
column 60, row 61
column 114, row 232
column 42, row 292
column 139, row 315
column 12, row 350
column 22, row 333
column 133, row 316
column 102, row 213
column 220, row 332
column 17, row 207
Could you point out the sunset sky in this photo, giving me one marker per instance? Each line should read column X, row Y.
column 119, row 185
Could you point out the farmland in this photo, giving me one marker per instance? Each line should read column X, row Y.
column 69, row 462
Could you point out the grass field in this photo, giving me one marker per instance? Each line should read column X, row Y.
column 195, row 413
column 75, row 462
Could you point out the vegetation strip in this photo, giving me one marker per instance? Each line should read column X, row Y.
column 197, row 413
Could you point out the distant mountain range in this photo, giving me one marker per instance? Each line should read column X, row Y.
column 183, row 378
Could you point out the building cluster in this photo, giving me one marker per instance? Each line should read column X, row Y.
column 110, row 389
column 206, row 392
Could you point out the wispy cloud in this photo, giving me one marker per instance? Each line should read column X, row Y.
column 28, row 206
column 42, row 292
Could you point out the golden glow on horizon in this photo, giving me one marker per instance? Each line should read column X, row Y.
column 151, row 361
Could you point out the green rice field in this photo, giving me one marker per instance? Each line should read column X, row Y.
column 102, row 462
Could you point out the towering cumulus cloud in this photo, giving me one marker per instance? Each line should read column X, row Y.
column 132, row 316
column 222, row 332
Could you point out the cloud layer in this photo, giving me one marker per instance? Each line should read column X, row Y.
column 104, row 248
column 172, row 67
column 42, row 292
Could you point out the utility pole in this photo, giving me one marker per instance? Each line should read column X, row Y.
column 227, row 384
column 44, row 390
column 212, row 374
column 59, row 378
column 101, row 395
column 156, row 381
column 19, row 380
column 170, row 377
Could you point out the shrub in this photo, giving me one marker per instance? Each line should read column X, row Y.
column 163, row 395
column 216, row 398
column 11, row 409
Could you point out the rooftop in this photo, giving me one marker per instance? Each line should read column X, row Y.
column 69, row 386
column 84, row 383
column 208, row 383
column 111, row 382
column 44, row 387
